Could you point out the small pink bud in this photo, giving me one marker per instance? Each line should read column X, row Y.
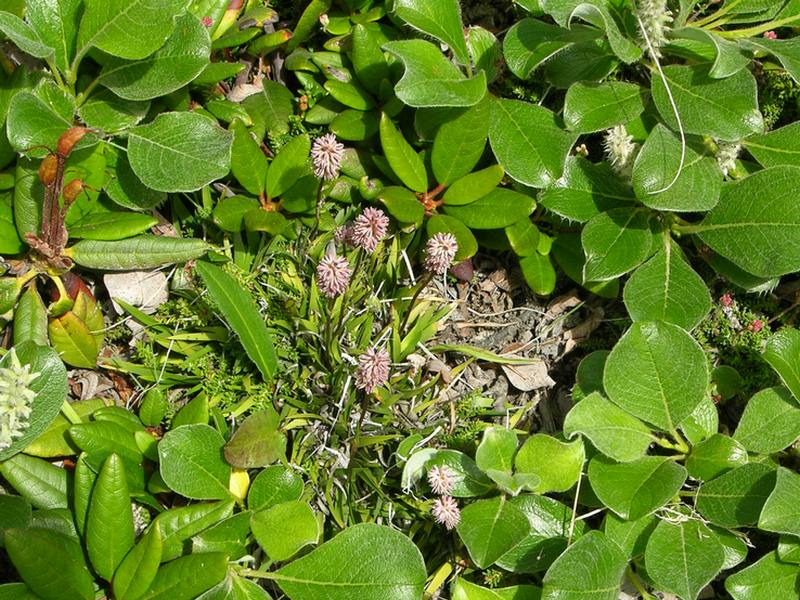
column 756, row 325
column 770, row 35
column 726, row 300
column 207, row 21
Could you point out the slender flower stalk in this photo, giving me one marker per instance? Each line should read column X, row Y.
column 445, row 511
column 370, row 228
column 333, row 275
column 441, row 480
column 373, row 369
column 326, row 156
column 439, row 253
column 16, row 399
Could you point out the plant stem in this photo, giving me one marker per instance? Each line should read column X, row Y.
column 758, row 29
column 716, row 14
column 70, row 414
column 637, row 583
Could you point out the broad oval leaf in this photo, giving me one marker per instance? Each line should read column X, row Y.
column 257, row 442
column 179, row 525
column 735, row 499
column 464, row 590
column 556, row 464
column 42, row 484
column 657, row 372
column 635, row 489
column 274, row 485
column 531, row 42
column 590, row 107
column 368, row 561
column 471, row 187
column 499, row 208
column 490, row 528
column 24, row 36
column 441, row 20
column 191, row 464
column 766, row 578
column 615, row 242
column 781, row 353
column 283, row 529
column 459, row 143
column 771, row 421
column 714, row 456
column 777, row 147
column 780, row 512
column 290, row 165
column 187, row 577
column 179, row 152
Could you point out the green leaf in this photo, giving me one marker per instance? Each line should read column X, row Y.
column 111, row 225
column 496, row 450
column 698, row 186
column 50, row 388
column 535, row 160
column 585, row 61
column 531, row 42
column 139, row 567
column 666, row 288
column 771, row 421
column 104, row 110
column 128, row 29
column 350, row 94
column 734, row 499
column 490, row 528
column 229, row 536
column 442, row 21
column 10, row 242
column 780, row 512
column 125, row 188
column 355, row 125
column 192, row 413
column 16, row 591
column 612, row 431
column 274, row 485
column 557, row 464
column 549, row 522
column 179, row 525
column 241, row 313
column 15, row 512
column 109, row 525
column 430, row 79
column 592, row 567
column 283, row 529
column 248, row 163
column 402, row 204
column 568, row 253
column 524, row 238
column 257, row 442
column 657, row 372
column 585, row 190
column 82, row 486
column 786, row 51
column 464, row 590
column 590, row 107
column 229, row 212
column 755, row 225
column 19, row 32
column 729, row 58
column 142, row 252
column 42, row 484
column 631, row 536
column 179, row 152
column 473, row 186
column 182, row 58
column 30, row 319
column 715, row 456
column 50, row 563
column 33, row 122
column 726, row 109
column 635, row 489
column 100, row 439
column 777, row 147
column 459, row 143
column 781, row 354
column 56, row 23
column 234, row 587
column 271, row 109
column 467, row 244
column 766, row 578
column 191, row 464
column 683, row 557
column 368, row 60
column 290, row 165
column 187, row 577
column 615, row 242
column 269, row 221
column 499, row 208
column 368, row 561
column 405, row 162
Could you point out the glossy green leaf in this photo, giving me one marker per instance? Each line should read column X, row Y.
column 234, row 587
column 585, row 190
column 781, row 353
column 734, row 499
column 771, row 421
column 50, row 387
column 590, row 107
column 473, row 186
column 635, row 489
column 724, row 108
column 568, row 253
column 766, row 578
column 524, row 237
column 557, row 464
column 585, row 61
column 777, row 147
column 111, row 225
column 780, row 512
column 350, row 94
column 191, row 464
column 50, row 563
column 615, row 242
column 535, row 160
column 269, row 221
column 403, row 159
column 179, row 525
column 698, row 185
column 10, row 242
column 104, row 110
column 539, row 273
column 289, row 165
column 369, row 561
column 274, row 485
column 714, row 456
column 283, row 529
column 33, row 122
column 16, row 591
column 683, row 557
column 229, row 212
column 271, row 109
column 666, row 288
column 729, row 58
column 41, row 483
column 496, row 450
column 592, row 567
column 499, row 208
column 657, row 372
column 109, row 525
column 464, row 590
column 459, row 143
column 430, row 79
column 402, row 204
column 442, row 21
column 355, row 125
column 126, row 29
column 248, row 163
column 631, row 536
column 182, row 58
column 612, row 431
column 368, row 60
column 490, row 528
column 100, row 439
column 192, row 413
column 179, row 152
column 187, row 577
column 24, row 36
column 241, row 313
column 15, row 513
column 139, row 567
column 142, row 252
column 230, row 536
column 531, row 42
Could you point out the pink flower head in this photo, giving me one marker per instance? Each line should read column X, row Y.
column 370, row 228
column 726, row 300
column 756, row 325
column 333, row 275
column 326, row 156
column 445, row 511
column 439, row 252
column 441, row 480
column 207, row 21
column 373, row 369
column 770, row 35
column 344, row 234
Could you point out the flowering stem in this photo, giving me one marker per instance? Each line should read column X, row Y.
column 70, row 414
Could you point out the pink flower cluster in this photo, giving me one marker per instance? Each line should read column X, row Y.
column 373, row 369
column 445, row 509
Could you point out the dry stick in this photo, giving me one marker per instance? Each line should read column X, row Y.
column 672, row 103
